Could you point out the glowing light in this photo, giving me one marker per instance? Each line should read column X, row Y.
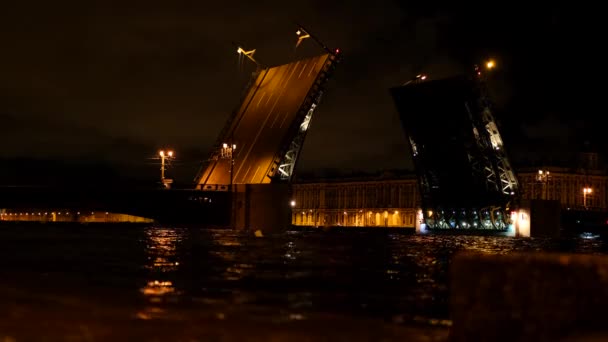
column 298, row 32
column 490, row 64
column 161, row 153
column 158, row 288
column 292, row 203
column 239, row 50
column 337, row 50
column 170, row 153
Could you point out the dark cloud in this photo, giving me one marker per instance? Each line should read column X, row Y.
column 117, row 80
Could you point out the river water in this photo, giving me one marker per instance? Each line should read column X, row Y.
column 82, row 274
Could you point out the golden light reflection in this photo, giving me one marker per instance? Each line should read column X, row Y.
column 150, row 313
column 158, row 288
column 161, row 246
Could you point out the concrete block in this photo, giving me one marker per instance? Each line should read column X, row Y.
column 528, row 297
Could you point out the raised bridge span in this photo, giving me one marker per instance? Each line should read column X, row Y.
column 266, row 132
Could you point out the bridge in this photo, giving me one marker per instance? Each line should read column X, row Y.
column 245, row 179
column 261, row 141
column 465, row 178
column 163, row 206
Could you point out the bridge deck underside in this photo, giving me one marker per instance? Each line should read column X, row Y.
column 262, row 123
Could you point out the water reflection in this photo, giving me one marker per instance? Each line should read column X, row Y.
column 398, row 276
column 164, row 271
column 158, row 288
column 161, row 247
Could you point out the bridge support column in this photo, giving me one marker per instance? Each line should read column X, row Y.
column 537, row 218
column 262, row 207
column 419, row 222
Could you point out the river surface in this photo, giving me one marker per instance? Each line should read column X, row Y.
column 164, row 273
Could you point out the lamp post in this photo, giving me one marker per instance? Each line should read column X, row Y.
column 586, row 191
column 164, row 156
column 228, row 153
column 543, row 177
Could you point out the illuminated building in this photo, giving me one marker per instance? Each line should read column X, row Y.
column 580, row 188
column 394, row 201
column 369, row 202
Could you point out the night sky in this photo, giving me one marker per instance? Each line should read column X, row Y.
column 110, row 83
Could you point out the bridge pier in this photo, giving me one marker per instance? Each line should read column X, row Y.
column 263, row 207
column 537, row 218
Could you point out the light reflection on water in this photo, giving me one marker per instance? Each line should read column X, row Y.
column 160, row 272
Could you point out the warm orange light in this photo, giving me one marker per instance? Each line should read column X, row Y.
column 161, row 153
column 170, row 153
column 490, row 64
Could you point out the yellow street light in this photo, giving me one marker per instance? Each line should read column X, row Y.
column 302, row 34
column 490, row 64
column 586, row 191
column 248, row 54
column 163, row 156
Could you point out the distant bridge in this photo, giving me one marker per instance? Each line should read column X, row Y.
column 164, row 206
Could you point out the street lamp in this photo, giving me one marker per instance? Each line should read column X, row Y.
column 164, row 157
column 489, row 65
column 543, row 177
column 586, row 191
column 248, row 54
column 302, row 34
column 227, row 152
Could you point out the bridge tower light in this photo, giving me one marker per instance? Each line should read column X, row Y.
column 248, row 54
column 302, row 34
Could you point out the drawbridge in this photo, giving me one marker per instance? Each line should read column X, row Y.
column 262, row 139
column 465, row 178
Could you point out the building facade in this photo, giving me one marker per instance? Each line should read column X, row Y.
column 356, row 203
column 385, row 202
column 575, row 189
